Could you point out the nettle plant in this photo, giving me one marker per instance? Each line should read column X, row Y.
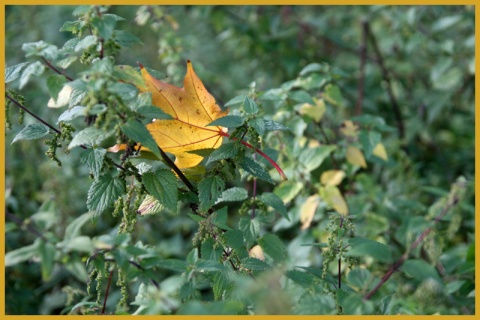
column 153, row 148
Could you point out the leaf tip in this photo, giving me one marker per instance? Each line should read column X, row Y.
column 140, row 65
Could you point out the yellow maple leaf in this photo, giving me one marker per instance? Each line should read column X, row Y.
column 192, row 108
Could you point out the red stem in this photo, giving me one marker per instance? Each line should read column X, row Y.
column 280, row 171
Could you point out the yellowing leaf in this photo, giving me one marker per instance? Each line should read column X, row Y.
column 316, row 111
column 256, row 252
column 380, row 151
column 307, row 211
column 332, row 177
column 192, row 108
column 349, row 129
column 334, row 199
column 62, row 99
column 355, row 157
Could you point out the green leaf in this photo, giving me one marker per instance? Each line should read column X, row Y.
column 70, row 26
column 314, row 304
column 105, row 25
column 250, row 228
column 73, row 229
column 209, row 265
column 40, row 48
column 31, row 132
column 359, row 278
column 71, row 114
column 255, row 169
column 271, row 125
column 304, row 279
column 255, row 264
column 210, row 251
column 234, row 238
column 103, row 193
column 163, row 186
column 369, row 140
column 54, row 85
column 137, row 132
column 86, row 43
column 173, row 264
column 202, row 152
column 420, row 270
column 47, row 256
column 209, row 190
column 227, row 121
column 445, row 23
column 333, row 95
column 22, row 254
column 312, row 67
column 274, row 247
column 274, row 201
column 35, row 69
column 220, row 218
column 250, row 106
column 81, row 10
column 236, row 100
column 233, row 194
column 226, row 150
column 360, row 247
column 126, row 39
column 258, row 125
column 89, row 136
column 312, row 158
column 301, row 96
column 288, row 190
column 130, row 75
column 125, row 91
column 93, row 158
column 12, row 73
column 152, row 112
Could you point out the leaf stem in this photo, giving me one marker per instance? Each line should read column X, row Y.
column 283, row 176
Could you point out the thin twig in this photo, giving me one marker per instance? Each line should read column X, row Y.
column 386, row 77
column 363, row 60
column 56, row 70
column 254, row 189
column 397, row 264
column 18, row 104
column 21, row 223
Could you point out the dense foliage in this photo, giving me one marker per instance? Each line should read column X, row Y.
column 369, row 112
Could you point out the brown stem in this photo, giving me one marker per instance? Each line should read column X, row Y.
column 363, row 60
column 179, row 172
column 56, row 70
column 106, row 293
column 21, row 223
column 18, row 104
column 397, row 264
column 386, row 77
